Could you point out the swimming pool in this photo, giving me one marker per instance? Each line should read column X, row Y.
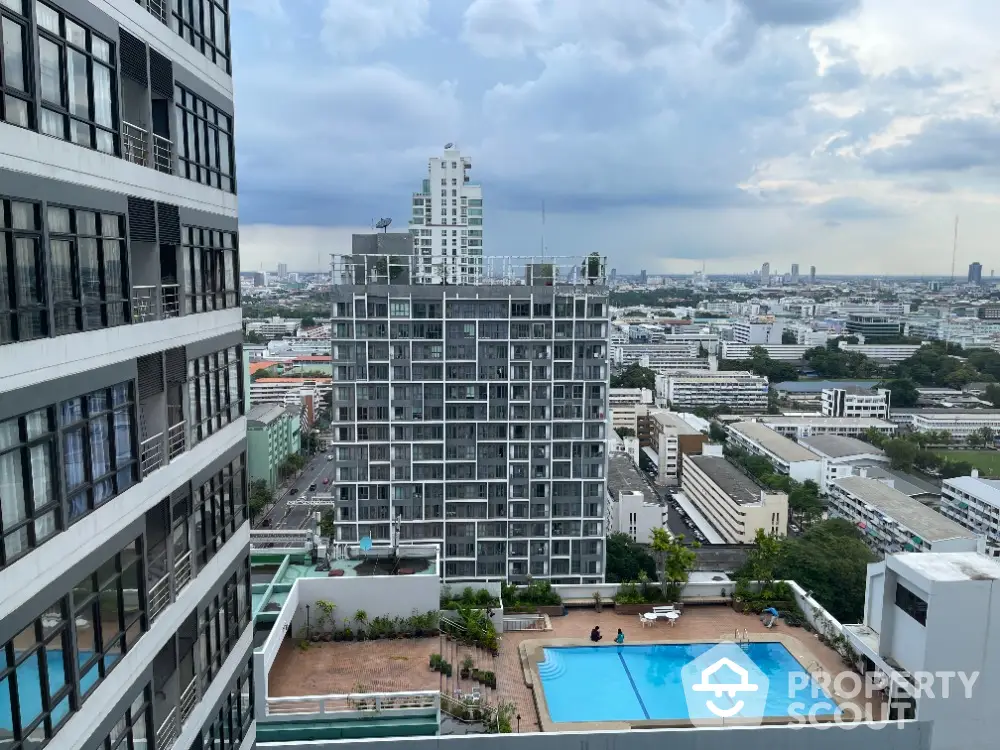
column 30, row 687
column 644, row 682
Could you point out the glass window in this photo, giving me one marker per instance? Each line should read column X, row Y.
column 204, row 141
column 76, row 81
column 204, row 24
column 132, row 729
column 15, row 85
column 98, row 448
column 30, row 510
column 89, row 272
column 211, row 269
column 213, row 399
column 23, row 309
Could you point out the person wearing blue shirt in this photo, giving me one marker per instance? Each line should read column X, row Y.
column 620, row 638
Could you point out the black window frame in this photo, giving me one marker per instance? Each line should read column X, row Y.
column 135, row 727
column 89, row 313
column 198, row 124
column 215, row 391
column 211, row 267
column 221, row 623
column 9, row 93
column 14, row 312
column 234, row 717
column 219, row 509
column 82, row 497
column 912, row 604
column 62, row 108
column 33, row 514
column 199, row 28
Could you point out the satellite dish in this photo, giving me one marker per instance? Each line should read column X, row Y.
column 449, row 145
column 383, row 224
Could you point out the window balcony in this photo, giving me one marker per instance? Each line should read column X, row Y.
column 157, row 9
column 135, row 142
column 155, row 303
column 163, row 154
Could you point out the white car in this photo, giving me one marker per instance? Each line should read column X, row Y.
column 329, row 458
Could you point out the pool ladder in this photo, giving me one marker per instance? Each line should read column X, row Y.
column 743, row 639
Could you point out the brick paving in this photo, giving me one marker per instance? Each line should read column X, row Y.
column 399, row 665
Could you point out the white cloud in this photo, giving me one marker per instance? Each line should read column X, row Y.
column 352, row 28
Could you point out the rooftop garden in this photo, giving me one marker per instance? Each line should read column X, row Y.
column 469, row 597
column 529, row 598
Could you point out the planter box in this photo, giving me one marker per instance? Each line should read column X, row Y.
column 557, row 610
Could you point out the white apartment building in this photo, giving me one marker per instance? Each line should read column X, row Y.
column 125, row 592
column 806, row 336
column 288, row 391
column 783, row 352
column 974, row 503
column 629, row 510
column 855, row 403
column 761, row 330
column 625, row 404
column 447, row 222
column 960, row 424
column 795, row 426
column 893, row 522
column 671, row 351
column 786, row 456
column 273, row 328
column 671, row 436
column 736, row 390
column 731, row 501
column 842, row 456
column 885, row 352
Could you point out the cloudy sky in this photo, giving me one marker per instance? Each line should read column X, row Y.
column 845, row 134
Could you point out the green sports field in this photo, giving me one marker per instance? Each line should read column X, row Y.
column 988, row 462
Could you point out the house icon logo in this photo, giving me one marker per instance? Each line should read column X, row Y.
column 724, row 684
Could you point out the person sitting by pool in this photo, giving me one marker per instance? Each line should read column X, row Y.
column 595, row 634
column 620, row 638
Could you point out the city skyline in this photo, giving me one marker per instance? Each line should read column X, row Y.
column 657, row 167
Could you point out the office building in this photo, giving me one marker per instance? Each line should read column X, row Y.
column 873, row 326
column 892, row 521
column 959, row 424
column 798, row 427
column 125, row 600
column 974, row 503
column 765, row 274
column 732, row 501
column 447, row 222
column 625, row 405
column 785, row 455
column 812, row 274
column 784, row 352
column 975, row 273
column 473, row 416
column 282, row 269
column 670, row 438
column 795, row 273
column 854, row 402
column 760, row 330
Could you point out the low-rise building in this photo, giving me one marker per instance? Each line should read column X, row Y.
column 894, row 522
column 625, row 404
column 803, row 426
column 733, row 502
column 974, row 503
column 784, row 352
column 273, row 434
column 631, row 508
column 959, row 424
column 273, row 328
column 883, row 352
column 842, row 455
column 671, row 436
column 786, row 456
column 856, row 403
column 734, row 390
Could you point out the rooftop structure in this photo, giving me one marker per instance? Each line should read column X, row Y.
column 773, row 442
column 840, row 446
column 737, row 484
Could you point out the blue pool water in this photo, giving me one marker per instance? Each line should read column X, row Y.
column 30, row 690
column 636, row 683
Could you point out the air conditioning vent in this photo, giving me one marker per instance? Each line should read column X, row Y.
column 132, row 52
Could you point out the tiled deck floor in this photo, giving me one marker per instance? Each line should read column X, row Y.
column 388, row 666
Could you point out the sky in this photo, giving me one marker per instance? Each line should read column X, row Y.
column 669, row 135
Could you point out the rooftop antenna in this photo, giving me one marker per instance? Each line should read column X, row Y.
column 383, row 224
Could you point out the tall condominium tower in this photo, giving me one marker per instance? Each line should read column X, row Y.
column 812, row 274
column 765, row 274
column 473, row 416
column 975, row 273
column 795, row 273
column 124, row 577
column 447, row 222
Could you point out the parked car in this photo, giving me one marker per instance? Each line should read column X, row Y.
column 312, row 487
column 326, row 481
column 330, row 457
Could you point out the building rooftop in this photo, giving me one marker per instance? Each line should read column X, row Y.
column 265, row 413
column 261, row 365
column 908, row 484
column 817, row 386
column 840, row 446
column 674, row 421
column 821, row 421
column 741, row 488
column 779, row 445
column 987, row 490
column 623, row 476
column 926, row 523
column 951, row 566
column 946, row 412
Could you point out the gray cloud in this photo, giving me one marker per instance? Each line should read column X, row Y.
column 799, row 12
column 944, row 145
column 839, row 210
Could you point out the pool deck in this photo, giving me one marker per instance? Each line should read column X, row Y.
column 399, row 665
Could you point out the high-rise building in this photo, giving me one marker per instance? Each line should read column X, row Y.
column 282, row 269
column 812, row 274
column 765, row 274
column 975, row 273
column 125, row 607
column 642, row 276
column 473, row 416
column 447, row 222
column 795, row 273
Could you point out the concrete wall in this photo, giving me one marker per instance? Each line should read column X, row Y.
column 911, row 735
column 263, row 658
column 814, row 612
column 389, row 596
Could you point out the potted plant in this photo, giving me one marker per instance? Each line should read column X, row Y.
column 361, row 618
column 466, row 669
column 598, row 604
column 446, row 669
column 490, row 680
column 435, row 662
column 347, row 634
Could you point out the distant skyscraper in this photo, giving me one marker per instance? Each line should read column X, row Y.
column 812, row 274
column 765, row 274
column 447, row 222
column 795, row 273
column 282, row 269
column 975, row 273
column 642, row 276
column 614, row 276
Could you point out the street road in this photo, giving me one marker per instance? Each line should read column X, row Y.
column 281, row 516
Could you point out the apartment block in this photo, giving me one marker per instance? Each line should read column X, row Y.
column 855, row 403
column 785, row 455
column 843, row 456
column 274, row 433
column 735, row 390
column 125, row 600
column 796, row 426
column 670, row 439
column 959, row 424
column 732, row 501
column 474, row 417
column 631, row 506
column 974, row 503
column 783, row 352
column 625, row 405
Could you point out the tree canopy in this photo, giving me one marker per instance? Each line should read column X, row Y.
column 635, row 376
column 904, row 392
column 626, row 558
column 761, row 363
column 804, row 503
column 832, row 362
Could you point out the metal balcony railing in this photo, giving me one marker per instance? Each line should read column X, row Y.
column 176, row 440
column 182, row 571
column 144, row 304
column 158, row 9
column 151, row 454
column 189, row 699
column 163, row 154
column 158, row 598
column 167, row 734
column 135, row 143
column 171, row 300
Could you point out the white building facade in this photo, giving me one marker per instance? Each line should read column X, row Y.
column 974, row 503
column 855, row 403
column 785, row 455
column 735, row 390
